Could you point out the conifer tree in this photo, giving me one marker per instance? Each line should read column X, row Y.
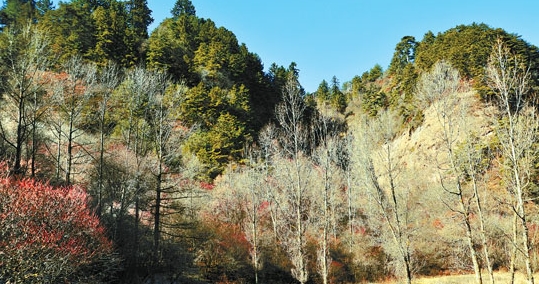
column 183, row 7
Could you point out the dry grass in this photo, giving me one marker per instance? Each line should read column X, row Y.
column 499, row 277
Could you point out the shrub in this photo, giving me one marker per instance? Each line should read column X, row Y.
column 49, row 235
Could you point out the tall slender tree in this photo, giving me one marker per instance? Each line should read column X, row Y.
column 439, row 88
column 294, row 141
column 384, row 176
column 108, row 80
column 138, row 20
column 72, row 94
column 24, row 57
column 509, row 77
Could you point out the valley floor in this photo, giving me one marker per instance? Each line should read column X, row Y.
column 499, row 277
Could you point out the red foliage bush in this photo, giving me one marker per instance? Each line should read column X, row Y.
column 48, row 234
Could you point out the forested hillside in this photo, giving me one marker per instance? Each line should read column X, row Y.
column 136, row 157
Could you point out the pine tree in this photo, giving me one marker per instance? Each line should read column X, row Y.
column 17, row 12
column 183, row 7
column 139, row 18
column 42, row 7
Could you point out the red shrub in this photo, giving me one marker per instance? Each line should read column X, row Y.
column 48, row 234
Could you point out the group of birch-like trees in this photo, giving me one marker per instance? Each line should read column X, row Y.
column 313, row 187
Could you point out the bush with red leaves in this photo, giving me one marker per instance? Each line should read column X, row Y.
column 49, row 235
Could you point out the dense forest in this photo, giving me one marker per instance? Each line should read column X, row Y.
column 174, row 157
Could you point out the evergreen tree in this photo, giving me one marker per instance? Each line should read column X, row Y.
column 183, row 7
column 71, row 29
column 110, row 34
column 17, row 12
column 42, row 7
column 139, row 18
column 92, row 4
column 467, row 48
column 374, row 74
column 338, row 99
column 404, row 54
column 172, row 46
column 322, row 93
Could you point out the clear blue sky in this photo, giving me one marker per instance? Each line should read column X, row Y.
column 348, row 37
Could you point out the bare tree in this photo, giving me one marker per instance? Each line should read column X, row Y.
column 254, row 199
column 386, row 181
column 509, row 78
column 163, row 98
column 346, row 164
column 72, row 93
column 326, row 159
column 108, row 80
column 293, row 176
column 245, row 183
column 131, row 99
column 24, row 58
column 439, row 89
column 268, row 144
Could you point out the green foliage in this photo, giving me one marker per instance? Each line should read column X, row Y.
column 361, row 84
column 183, row 7
column 405, row 53
column 71, row 29
column 17, row 12
column 322, row 93
column 374, row 100
column 374, row 74
column 338, row 99
column 467, row 48
column 110, row 28
column 100, row 31
column 221, row 117
column 225, row 139
column 194, row 50
column 223, row 76
column 404, row 76
column 139, row 18
column 42, row 7
column 332, row 96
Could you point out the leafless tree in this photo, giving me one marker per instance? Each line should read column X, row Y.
column 25, row 59
column 386, row 181
column 509, row 77
column 269, row 148
column 163, row 98
column 439, row 89
column 108, row 80
column 131, row 98
column 72, row 92
column 326, row 159
column 293, row 176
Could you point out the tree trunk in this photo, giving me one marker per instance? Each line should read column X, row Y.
column 21, row 132
column 514, row 246
column 482, row 230
column 69, row 155
column 157, row 219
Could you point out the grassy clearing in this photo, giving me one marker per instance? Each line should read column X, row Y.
column 500, row 277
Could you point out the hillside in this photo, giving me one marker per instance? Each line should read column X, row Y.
column 422, row 149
